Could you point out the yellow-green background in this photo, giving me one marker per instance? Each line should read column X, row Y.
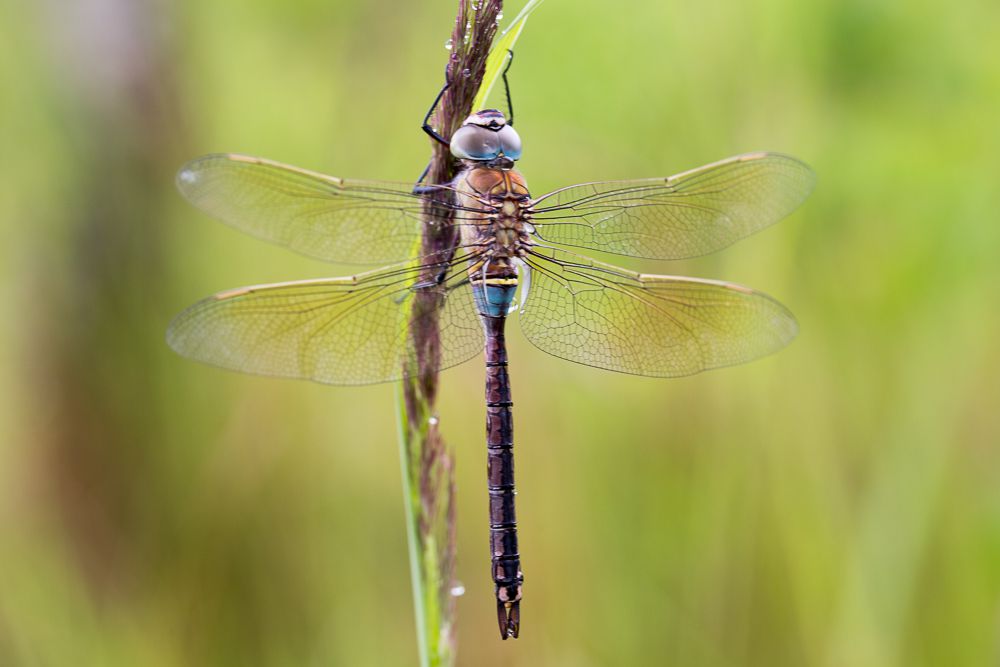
column 837, row 504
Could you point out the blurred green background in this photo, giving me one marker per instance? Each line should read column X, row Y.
column 835, row 504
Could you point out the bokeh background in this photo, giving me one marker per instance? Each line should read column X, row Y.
column 836, row 504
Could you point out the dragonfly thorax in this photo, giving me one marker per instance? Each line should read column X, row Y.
column 497, row 211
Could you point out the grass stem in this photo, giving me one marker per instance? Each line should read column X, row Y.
column 427, row 465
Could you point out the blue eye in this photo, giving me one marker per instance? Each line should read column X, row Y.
column 510, row 142
column 472, row 142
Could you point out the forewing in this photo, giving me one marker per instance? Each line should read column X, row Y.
column 329, row 218
column 344, row 331
column 687, row 215
column 662, row 326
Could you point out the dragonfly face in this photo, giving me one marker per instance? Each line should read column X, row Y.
column 357, row 329
column 486, row 138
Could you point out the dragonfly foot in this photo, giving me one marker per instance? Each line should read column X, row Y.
column 509, row 617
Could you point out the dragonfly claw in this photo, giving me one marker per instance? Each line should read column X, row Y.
column 509, row 617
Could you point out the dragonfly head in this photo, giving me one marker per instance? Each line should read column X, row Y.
column 486, row 138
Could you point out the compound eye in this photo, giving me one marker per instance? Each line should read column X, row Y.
column 510, row 142
column 472, row 142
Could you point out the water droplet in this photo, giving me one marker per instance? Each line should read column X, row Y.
column 466, row 72
column 433, row 421
column 457, row 591
column 499, row 17
column 187, row 176
column 449, row 43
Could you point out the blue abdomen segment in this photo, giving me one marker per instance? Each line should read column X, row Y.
column 494, row 299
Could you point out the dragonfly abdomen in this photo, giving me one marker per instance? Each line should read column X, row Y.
column 493, row 297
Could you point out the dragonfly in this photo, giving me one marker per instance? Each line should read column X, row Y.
column 508, row 255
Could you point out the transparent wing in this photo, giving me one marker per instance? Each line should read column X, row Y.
column 687, row 215
column 329, row 218
column 344, row 331
column 662, row 326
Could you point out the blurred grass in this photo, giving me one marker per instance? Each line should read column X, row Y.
column 836, row 504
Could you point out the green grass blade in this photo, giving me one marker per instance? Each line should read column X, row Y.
column 499, row 56
column 411, row 503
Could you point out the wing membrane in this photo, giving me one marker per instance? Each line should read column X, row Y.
column 687, row 215
column 662, row 326
column 344, row 331
column 329, row 218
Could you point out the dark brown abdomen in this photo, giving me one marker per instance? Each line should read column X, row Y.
column 500, row 471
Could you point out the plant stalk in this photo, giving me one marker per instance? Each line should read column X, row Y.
column 427, row 465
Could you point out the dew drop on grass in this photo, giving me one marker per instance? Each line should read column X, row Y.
column 499, row 17
column 449, row 44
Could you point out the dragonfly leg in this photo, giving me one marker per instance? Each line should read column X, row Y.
column 426, row 284
column 420, row 189
column 506, row 88
column 426, row 127
column 436, row 279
